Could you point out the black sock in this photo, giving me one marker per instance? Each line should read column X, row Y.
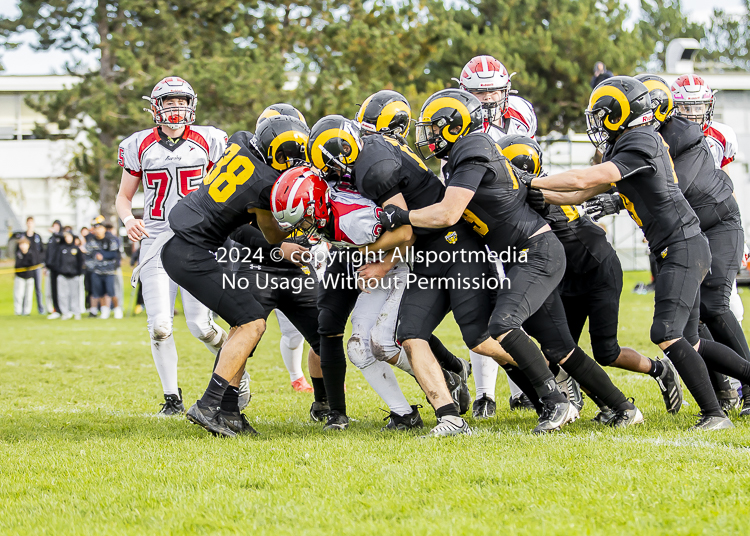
column 694, row 374
column 215, row 391
column 596, row 400
column 523, row 383
column 444, row 357
column 657, row 367
column 727, row 330
column 448, row 409
column 333, row 364
column 724, row 360
column 319, row 388
column 592, row 377
column 532, row 363
column 231, row 399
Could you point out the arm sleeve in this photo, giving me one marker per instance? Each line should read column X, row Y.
column 127, row 156
column 468, row 176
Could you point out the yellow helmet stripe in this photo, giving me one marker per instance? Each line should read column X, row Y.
column 388, row 113
column 655, row 84
column 289, row 135
column 619, row 96
column 317, row 154
column 513, row 151
column 447, row 102
column 268, row 113
column 361, row 112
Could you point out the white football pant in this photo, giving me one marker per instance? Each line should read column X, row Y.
column 291, row 346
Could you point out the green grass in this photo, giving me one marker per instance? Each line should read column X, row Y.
column 82, row 453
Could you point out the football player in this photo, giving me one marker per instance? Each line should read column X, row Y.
column 636, row 160
column 236, row 192
column 170, row 161
column 592, row 283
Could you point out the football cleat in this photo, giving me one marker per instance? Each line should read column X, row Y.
column 319, row 411
column 238, row 423
column 745, row 401
column 459, row 391
column 626, row 417
column 710, row 422
column 604, row 416
column 520, row 401
column 728, row 400
column 570, row 388
column 465, row 370
column 554, row 416
column 449, row 426
column 172, row 405
column 301, row 386
column 209, row 418
column 245, row 394
column 336, row 421
column 402, row 423
column 669, row 385
column 484, row 407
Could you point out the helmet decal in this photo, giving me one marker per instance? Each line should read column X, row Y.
column 298, row 138
column 329, row 134
column 519, row 149
column 447, row 102
column 389, row 111
column 619, row 96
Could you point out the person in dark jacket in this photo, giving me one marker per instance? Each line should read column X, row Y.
column 51, row 261
column 103, row 250
column 601, row 73
column 23, row 286
column 69, row 277
column 36, row 248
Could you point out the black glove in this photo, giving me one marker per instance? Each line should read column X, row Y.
column 604, row 205
column 393, row 217
column 535, row 199
column 524, row 176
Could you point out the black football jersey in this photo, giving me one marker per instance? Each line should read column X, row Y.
column 701, row 183
column 385, row 168
column 238, row 182
column 649, row 188
column 498, row 210
column 585, row 243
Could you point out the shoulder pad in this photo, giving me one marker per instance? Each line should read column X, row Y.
column 523, row 111
column 243, row 138
column 377, row 168
column 477, row 147
column 642, row 140
column 681, row 135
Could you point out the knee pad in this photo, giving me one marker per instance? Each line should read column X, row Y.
column 329, row 324
column 292, row 342
column 208, row 331
column 160, row 328
column 605, row 352
column 359, row 352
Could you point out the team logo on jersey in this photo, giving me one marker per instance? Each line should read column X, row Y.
column 451, row 237
column 663, row 254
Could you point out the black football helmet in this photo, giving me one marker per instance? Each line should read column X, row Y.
column 385, row 112
column 661, row 96
column 615, row 104
column 280, row 108
column 523, row 153
column 282, row 140
column 334, row 144
column 446, row 116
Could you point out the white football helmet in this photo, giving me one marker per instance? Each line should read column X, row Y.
column 693, row 99
column 172, row 116
column 485, row 74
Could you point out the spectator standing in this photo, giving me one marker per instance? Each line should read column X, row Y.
column 101, row 259
column 36, row 248
column 70, row 270
column 119, row 297
column 601, row 73
column 23, row 286
column 82, row 237
column 51, row 261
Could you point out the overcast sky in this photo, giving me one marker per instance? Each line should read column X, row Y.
column 24, row 60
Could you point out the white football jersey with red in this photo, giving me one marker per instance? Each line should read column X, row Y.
column 169, row 172
column 519, row 118
column 356, row 219
column 723, row 143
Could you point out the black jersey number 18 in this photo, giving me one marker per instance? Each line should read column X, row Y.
column 238, row 170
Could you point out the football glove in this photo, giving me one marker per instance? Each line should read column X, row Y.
column 535, row 199
column 604, row 205
column 393, row 217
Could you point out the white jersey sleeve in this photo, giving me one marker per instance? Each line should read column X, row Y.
column 723, row 143
column 127, row 154
column 519, row 118
column 356, row 219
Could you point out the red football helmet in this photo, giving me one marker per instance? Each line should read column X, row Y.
column 693, row 99
column 486, row 75
column 171, row 115
column 299, row 202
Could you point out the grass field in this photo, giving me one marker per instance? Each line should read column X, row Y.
column 82, row 453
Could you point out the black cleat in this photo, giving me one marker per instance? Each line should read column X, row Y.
column 465, row 370
column 172, row 405
column 626, row 417
column 319, row 411
column 402, row 423
column 728, row 400
column 459, row 391
column 604, row 416
column 336, row 421
column 520, row 401
column 238, row 423
column 570, row 388
column 210, row 419
column 669, row 385
column 745, row 401
column 554, row 416
column 484, row 407
column 710, row 423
